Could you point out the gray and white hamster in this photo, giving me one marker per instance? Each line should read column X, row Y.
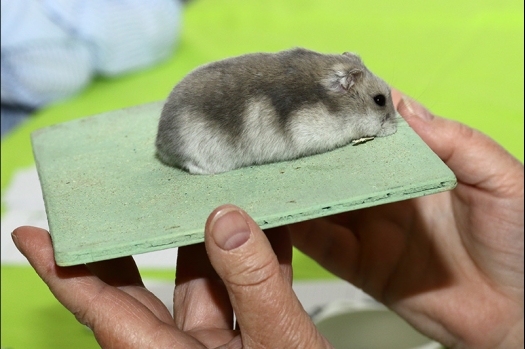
column 267, row 107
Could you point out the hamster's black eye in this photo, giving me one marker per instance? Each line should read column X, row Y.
column 380, row 100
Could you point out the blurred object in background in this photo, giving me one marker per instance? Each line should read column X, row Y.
column 51, row 49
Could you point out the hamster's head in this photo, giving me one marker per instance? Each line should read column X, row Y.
column 364, row 99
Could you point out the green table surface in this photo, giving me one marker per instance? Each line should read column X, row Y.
column 107, row 195
column 462, row 59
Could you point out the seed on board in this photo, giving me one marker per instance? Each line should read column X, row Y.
column 362, row 140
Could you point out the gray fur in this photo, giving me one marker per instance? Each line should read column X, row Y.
column 268, row 107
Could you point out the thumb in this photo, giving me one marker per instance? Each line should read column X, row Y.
column 267, row 310
column 475, row 158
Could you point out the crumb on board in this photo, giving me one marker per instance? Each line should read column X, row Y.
column 362, row 140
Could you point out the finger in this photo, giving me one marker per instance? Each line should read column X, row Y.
column 331, row 245
column 475, row 159
column 281, row 243
column 396, row 97
column 124, row 274
column 116, row 318
column 200, row 300
column 117, row 272
column 267, row 310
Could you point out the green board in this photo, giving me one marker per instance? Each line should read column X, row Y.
column 107, row 195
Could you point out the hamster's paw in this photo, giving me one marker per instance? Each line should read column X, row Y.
column 196, row 169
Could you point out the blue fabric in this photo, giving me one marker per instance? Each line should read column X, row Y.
column 12, row 116
column 51, row 49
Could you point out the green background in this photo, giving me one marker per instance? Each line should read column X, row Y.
column 462, row 59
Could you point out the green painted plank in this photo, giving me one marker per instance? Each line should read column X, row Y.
column 107, row 195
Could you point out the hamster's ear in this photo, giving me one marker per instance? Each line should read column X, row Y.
column 354, row 56
column 342, row 81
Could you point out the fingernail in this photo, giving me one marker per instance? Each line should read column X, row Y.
column 229, row 229
column 15, row 240
column 417, row 109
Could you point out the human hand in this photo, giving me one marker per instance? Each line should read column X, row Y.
column 238, row 269
column 451, row 263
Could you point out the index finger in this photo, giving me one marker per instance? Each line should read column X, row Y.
column 396, row 96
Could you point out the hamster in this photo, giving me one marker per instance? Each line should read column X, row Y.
column 268, row 107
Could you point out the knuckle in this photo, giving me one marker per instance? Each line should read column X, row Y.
column 253, row 270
